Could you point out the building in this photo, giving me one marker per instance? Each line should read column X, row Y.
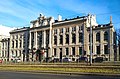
column 19, row 43
column 5, row 43
column 71, row 38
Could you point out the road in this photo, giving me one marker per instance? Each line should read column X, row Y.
column 28, row 75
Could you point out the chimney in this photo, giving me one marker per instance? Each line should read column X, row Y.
column 59, row 18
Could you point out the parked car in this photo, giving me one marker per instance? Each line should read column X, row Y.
column 55, row 60
column 82, row 59
column 67, row 60
column 98, row 59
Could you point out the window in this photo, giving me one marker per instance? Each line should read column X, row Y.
column 73, row 29
column 55, row 31
column 73, row 50
column 55, row 52
column 20, row 43
column 67, row 51
column 32, row 39
column 55, row 40
column 80, row 28
column 12, row 37
column 61, row 39
column 61, row 30
column 73, row 38
column 105, row 49
column 16, row 43
column 16, row 36
column 12, row 44
column 80, row 37
column 47, row 35
column 67, row 38
column 67, row 29
column 106, row 36
column 98, row 37
column 39, row 39
column 19, row 53
column 16, row 52
column 98, row 49
column 80, row 50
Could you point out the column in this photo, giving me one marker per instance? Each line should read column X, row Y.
column 70, row 36
column 36, row 39
column 30, row 41
column 44, row 39
column 64, row 36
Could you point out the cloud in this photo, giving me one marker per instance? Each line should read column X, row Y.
column 4, row 30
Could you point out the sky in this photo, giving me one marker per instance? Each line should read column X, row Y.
column 19, row 13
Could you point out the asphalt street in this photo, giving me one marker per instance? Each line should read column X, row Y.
column 29, row 75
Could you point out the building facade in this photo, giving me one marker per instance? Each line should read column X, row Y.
column 5, row 43
column 19, row 43
column 71, row 38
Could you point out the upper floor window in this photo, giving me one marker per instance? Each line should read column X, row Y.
column 80, row 28
column 73, row 38
column 16, row 36
column 55, row 40
column 67, row 29
column 106, row 36
column 98, row 36
column 61, row 39
column 12, row 37
column 67, row 38
column 73, row 29
column 80, row 37
column 55, row 31
column 61, row 30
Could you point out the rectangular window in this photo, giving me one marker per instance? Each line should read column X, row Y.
column 73, row 38
column 55, row 52
column 55, row 31
column 67, row 51
column 55, row 40
column 61, row 39
column 67, row 29
column 61, row 30
column 98, row 49
column 80, row 37
column 67, row 38
column 80, row 50
column 73, row 50
column 73, row 29
column 105, row 49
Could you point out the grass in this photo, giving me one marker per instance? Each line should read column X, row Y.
column 57, row 68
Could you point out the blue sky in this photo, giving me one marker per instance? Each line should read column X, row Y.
column 19, row 13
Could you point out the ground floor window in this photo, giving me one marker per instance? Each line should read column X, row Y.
column 67, row 51
column 73, row 50
column 105, row 49
column 98, row 49
column 80, row 50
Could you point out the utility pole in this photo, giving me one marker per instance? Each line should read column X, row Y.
column 90, row 40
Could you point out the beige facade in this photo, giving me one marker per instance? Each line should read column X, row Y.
column 4, row 49
column 70, row 38
column 19, row 43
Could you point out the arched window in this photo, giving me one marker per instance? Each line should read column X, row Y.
column 98, row 36
column 106, row 36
